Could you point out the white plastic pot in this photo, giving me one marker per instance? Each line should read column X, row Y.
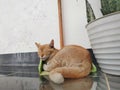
column 104, row 35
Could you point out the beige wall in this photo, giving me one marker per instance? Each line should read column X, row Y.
column 24, row 22
column 74, row 21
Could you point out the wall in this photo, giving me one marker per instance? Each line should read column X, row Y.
column 26, row 21
column 74, row 21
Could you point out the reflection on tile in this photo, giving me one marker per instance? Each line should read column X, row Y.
column 70, row 84
column 102, row 84
column 31, row 81
column 15, row 81
column 114, row 82
column 19, row 83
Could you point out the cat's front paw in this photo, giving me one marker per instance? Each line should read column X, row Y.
column 45, row 67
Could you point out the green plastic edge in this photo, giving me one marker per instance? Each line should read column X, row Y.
column 94, row 69
column 42, row 73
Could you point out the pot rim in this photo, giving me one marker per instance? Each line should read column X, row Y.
column 108, row 15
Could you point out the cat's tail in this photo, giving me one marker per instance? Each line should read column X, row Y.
column 57, row 75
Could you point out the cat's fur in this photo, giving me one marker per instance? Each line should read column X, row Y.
column 72, row 61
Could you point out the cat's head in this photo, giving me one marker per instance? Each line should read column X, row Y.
column 45, row 51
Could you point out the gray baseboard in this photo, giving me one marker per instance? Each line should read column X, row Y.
column 19, row 62
column 23, row 62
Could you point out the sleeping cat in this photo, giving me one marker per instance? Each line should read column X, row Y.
column 71, row 61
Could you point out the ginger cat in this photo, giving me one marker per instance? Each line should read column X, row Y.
column 72, row 61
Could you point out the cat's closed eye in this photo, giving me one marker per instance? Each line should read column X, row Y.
column 50, row 50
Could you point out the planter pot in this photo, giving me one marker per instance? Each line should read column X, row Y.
column 104, row 35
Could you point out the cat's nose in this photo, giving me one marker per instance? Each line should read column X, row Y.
column 42, row 55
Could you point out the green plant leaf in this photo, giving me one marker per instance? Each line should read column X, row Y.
column 90, row 13
column 110, row 6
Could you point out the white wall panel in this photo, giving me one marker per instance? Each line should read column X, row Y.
column 74, row 21
column 23, row 22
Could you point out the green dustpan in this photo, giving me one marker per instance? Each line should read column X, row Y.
column 42, row 73
column 94, row 69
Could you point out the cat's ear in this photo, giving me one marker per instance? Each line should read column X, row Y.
column 51, row 43
column 37, row 44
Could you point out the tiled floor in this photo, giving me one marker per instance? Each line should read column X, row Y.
column 31, row 81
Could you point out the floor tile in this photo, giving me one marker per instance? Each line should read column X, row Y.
column 31, row 81
column 113, row 82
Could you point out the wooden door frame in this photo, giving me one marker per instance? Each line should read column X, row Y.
column 60, row 24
